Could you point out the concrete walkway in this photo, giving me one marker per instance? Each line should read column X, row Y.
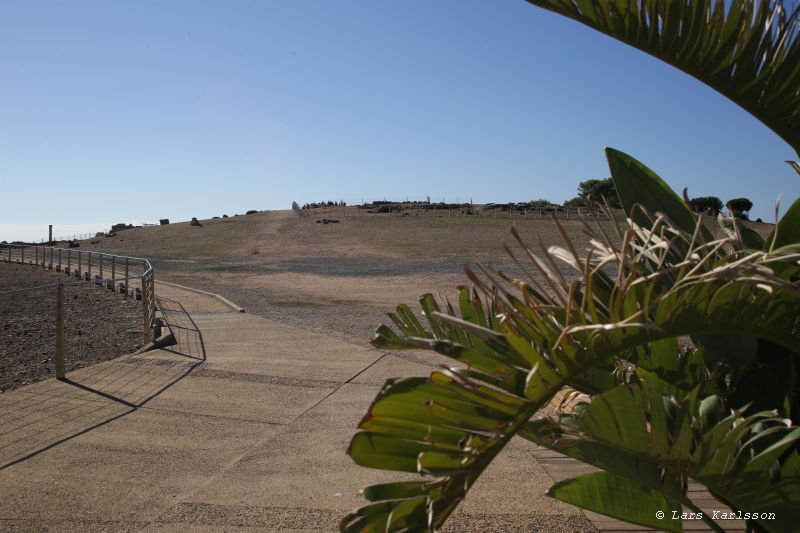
column 242, row 427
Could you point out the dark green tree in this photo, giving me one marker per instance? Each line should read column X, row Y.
column 598, row 191
column 577, row 201
column 706, row 204
column 740, row 208
column 541, row 202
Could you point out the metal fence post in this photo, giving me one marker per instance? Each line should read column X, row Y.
column 59, row 260
column 101, row 268
column 89, row 266
column 69, row 261
column 37, row 256
column 126, row 277
column 113, row 272
column 22, row 251
column 79, row 264
column 60, row 370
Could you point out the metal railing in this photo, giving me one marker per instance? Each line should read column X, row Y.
column 133, row 277
column 75, row 237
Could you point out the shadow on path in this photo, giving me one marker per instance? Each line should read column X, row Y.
column 38, row 417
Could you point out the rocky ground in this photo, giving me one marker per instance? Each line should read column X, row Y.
column 99, row 325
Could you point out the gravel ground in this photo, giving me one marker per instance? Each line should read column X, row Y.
column 99, row 326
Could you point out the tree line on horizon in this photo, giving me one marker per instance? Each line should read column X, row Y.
column 591, row 192
column 594, row 191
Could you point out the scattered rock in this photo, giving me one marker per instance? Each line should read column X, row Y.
column 252, row 212
column 163, row 221
column 256, row 252
column 121, row 226
column 224, row 216
column 195, row 222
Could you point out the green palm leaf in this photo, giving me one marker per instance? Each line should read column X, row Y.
column 619, row 497
column 751, row 53
column 642, row 433
column 517, row 343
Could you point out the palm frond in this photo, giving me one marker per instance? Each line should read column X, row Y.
column 518, row 345
column 658, row 441
column 749, row 52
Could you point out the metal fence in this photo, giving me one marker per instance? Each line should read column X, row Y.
column 74, row 237
column 132, row 277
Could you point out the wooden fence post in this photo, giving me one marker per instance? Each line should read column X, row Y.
column 113, row 272
column 126, row 277
column 69, row 261
column 60, row 370
column 147, row 332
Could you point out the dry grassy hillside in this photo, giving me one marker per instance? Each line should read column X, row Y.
column 339, row 278
column 284, row 233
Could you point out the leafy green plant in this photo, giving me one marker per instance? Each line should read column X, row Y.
column 651, row 415
column 749, row 51
column 598, row 192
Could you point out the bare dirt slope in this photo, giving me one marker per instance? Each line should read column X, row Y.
column 335, row 278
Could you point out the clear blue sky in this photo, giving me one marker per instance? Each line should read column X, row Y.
column 133, row 111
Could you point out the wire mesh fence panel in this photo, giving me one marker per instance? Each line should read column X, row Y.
column 107, row 308
column 188, row 338
column 97, row 326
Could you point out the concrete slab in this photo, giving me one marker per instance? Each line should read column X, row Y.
column 325, row 484
column 401, row 364
column 42, row 415
column 249, row 435
column 130, row 468
column 266, row 347
column 240, row 398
